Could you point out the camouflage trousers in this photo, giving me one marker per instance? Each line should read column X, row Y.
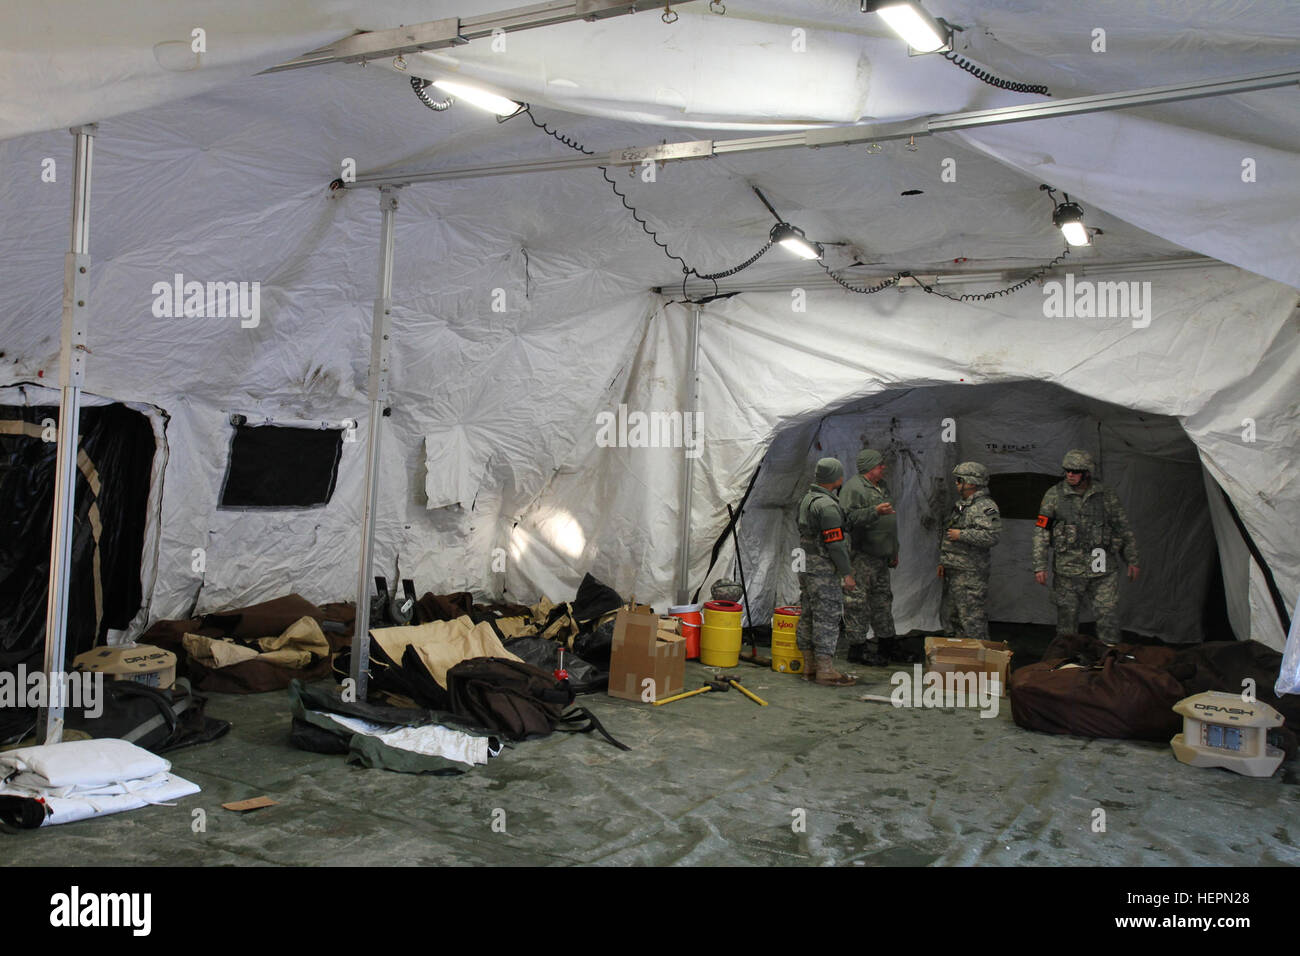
column 821, row 599
column 871, row 602
column 1068, row 590
column 965, row 608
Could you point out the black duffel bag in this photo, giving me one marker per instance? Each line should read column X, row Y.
column 516, row 700
column 584, row 678
column 157, row 720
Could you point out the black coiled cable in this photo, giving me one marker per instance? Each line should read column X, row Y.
column 732, row 271
column 418, row 83
column 863, row 290
column 688, row 270
column 998, row 293
column 984, row 75
column 566, row 140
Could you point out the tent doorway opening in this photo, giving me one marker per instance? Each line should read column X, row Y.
column 115, row 526
column 1020, row 431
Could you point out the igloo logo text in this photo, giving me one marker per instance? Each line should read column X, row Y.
column 212, row 300
column 1086, row 299
column 639, row 429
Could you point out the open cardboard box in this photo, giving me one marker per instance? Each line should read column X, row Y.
column 961, row 655
column 644, row 649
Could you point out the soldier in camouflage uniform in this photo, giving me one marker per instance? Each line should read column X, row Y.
column 1087, row 528
column 972, row 530
column 868, row 504
column 826, row 575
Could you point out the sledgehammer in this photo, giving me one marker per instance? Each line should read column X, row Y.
column 708, row 686
column 735, row 682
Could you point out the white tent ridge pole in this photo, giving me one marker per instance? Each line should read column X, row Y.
column 72, row 370
column 874, row 133
column 693, row 398
column 380, row 337
column 452, row 31
column 1079, row 269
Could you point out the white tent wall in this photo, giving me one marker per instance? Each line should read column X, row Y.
column 93, row 61
column 252, row 555
column 1127, row 164
column 615, row 510
column 1235, row 561
column 764, row 367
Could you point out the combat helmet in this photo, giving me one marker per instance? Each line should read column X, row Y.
column 973, row 473
column 1076, row 459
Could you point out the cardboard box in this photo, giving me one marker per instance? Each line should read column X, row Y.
column 945, row 655
column 641, row 651
column 142, row 663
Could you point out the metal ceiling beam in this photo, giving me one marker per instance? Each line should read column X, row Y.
column 453, row 31
column 848, row 135
column 1080, row 267
column 1075, row 106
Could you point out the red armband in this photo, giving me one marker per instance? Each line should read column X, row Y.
column 1042, row 521
column 832, row 535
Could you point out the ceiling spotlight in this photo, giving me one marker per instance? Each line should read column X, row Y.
column 792, row 238
column 478, row 97
column 923, row 33
column 1068, row 218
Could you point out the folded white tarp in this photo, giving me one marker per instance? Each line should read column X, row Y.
column 88, row 778
column 431, row 740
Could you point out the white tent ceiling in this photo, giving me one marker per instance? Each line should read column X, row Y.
column 218, row 174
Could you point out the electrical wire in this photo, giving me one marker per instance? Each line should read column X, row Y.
column 689, row 270
column 864, row 290
column 977, row 71
column 560, row 137
column 998, row 293
column 418, row 84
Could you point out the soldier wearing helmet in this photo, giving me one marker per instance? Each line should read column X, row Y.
column 972, row 530
column 826, row 576
column 1086, row 527
column 868, row 504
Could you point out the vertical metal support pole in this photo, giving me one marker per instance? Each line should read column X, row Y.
column 72, row 370
column 693, row 396
column 379, row 346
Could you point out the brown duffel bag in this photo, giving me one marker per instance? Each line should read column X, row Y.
column 1117, row 697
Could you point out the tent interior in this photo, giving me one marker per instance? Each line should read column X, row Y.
column 535, row 296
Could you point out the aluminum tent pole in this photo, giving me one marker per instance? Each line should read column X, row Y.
column 380, row 340
column 848, row 135
column 72, row 370
column 693, row 400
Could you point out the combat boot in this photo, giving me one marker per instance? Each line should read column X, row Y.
column 893, row 650
column 828, row 676
column 871, row 654
column 809, row 664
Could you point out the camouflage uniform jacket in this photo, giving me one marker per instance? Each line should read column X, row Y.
column 873, row 534
column 1075, row 523
column 821, row 528
column 980, row 523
